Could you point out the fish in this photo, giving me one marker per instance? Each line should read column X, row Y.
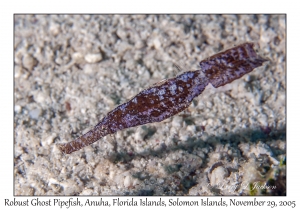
column 171, row 96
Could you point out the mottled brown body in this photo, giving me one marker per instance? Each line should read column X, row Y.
column 167, row 98
column 158, row 102
column 154, row 104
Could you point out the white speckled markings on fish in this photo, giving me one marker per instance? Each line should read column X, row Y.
column 167, row 98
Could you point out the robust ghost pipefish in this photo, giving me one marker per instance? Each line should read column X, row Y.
column 169, row 97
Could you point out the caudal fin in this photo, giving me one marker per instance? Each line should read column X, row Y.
column 231, row 64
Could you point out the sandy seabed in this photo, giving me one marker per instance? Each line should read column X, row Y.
column 70, row 70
